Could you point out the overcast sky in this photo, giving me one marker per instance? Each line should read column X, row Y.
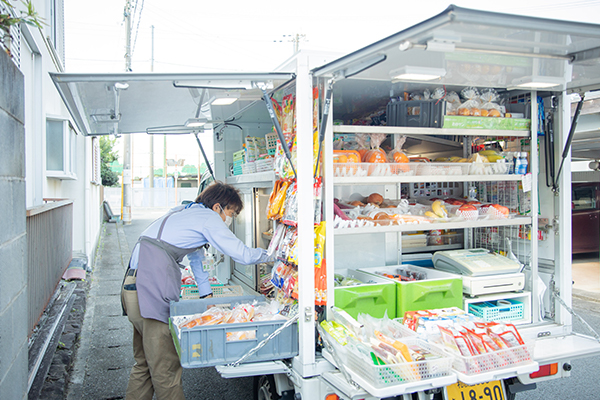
column 219, row 36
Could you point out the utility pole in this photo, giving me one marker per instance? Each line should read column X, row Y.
column 151, row 175
column 127, row 170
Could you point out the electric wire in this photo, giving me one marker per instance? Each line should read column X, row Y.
column 137, row 29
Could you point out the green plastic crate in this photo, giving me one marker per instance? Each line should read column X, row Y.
column 439, row 289
column 375, row 297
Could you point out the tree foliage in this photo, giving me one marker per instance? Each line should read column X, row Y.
column 10, row 17
column 107, row 156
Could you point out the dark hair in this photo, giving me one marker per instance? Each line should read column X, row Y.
column 225, row 195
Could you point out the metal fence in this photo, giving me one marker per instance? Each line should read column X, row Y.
column 49, row 252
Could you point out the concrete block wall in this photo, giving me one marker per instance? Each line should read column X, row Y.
column 13, row 237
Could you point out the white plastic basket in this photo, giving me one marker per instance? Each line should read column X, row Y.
column 436, row 168
column 495, row 360
column 249, row 168
column 393, row 374
column 374, row 169
column 264, row 165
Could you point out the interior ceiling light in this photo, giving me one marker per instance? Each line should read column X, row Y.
column 225, row 99
column 412, row 73
column 537, row 82
column 196, row 122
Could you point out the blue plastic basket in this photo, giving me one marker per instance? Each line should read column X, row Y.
column 493, row 311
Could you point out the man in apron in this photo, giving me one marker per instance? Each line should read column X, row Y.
column 153, row 279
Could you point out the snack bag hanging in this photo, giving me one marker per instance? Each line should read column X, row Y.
column 320, row 267
column 277, row 199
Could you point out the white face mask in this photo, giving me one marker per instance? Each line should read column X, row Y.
column 228, row 219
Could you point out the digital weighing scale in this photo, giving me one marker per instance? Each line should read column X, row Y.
column 482, row 271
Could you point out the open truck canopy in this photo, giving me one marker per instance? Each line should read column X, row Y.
column 460, row 45
column 160, row 103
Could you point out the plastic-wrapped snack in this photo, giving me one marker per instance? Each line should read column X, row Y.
column 438, row 93
column 211, row 316
column 290, row 216
column 276, row 239
column 471, row 105
column 241, row 313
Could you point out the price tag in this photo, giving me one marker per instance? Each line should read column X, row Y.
column 526, row 181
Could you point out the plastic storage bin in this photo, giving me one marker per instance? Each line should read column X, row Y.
column 206, row 346
column 499, row 310
column 419, row 113
column 394, row 374
column 438, row 289
column 375, row 296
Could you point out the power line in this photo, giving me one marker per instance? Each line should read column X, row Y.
column 137, row 29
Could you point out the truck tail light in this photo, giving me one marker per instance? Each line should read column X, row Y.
column 332, row 397
column 545, row 370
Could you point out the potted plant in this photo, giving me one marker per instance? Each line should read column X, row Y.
column 10, row 16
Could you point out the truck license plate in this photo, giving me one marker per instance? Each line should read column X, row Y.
column 482, row 391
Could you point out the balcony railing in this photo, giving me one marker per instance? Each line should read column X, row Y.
column 49, row 252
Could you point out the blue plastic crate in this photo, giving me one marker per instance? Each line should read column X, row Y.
column 499, row 310
column 207, row 346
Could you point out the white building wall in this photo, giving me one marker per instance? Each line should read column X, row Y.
column 39, row 56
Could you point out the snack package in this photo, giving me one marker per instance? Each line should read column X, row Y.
column 276, row 240
column 290, row 215
column 317, row 190
column 490, row 107
column 277, row 199
column 320, row 269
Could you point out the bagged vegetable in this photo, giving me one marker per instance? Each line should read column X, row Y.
column 376, row 154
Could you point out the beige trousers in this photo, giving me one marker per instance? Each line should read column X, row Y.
column 157, row 368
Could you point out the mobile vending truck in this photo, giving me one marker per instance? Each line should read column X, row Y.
column 468, row 207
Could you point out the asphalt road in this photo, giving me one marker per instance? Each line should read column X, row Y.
column 584, row 382
column 207, row 384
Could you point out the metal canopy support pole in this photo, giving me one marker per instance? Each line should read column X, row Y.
column 570, row 137
column 306, row 271
column 324, row 118
column 205, row 158
column 284, row 145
